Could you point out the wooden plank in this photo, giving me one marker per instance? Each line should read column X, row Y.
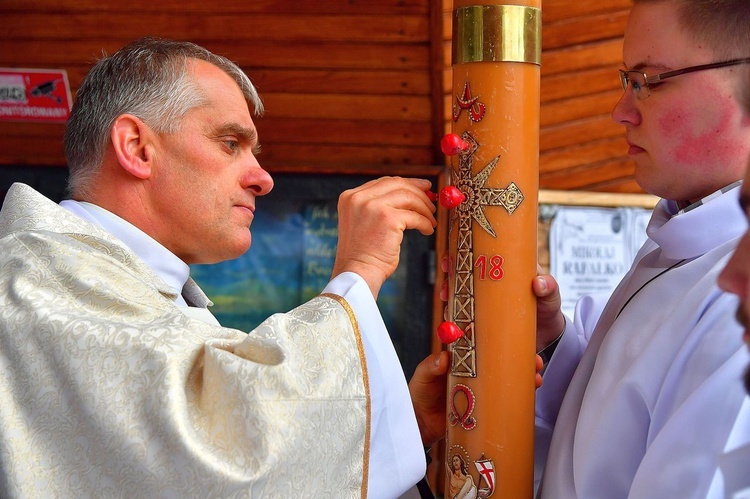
column 203, row 7
column 584, row 154
column 571, row 133
column 625, row 184
column 29, row 146
column 32, row 150
column 238, row 29
column 580, row 82
column 584, row 177
column 10, row 129
column 291, row 80
column 557, row 112
column 329, row 131
column 287, row 153
column 588, row 198
column 10, row 158
column 583, row 30
column 591, row 55
column 320, row 56
column 327, row 106
column 556, row 10
column 317, row 168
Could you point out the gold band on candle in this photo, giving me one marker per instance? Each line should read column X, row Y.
column 497, row 33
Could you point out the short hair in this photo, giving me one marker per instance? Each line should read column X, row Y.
column 147, row 78
column 721, row 25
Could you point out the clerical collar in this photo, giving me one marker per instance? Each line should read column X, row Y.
column 675, row 206
column 163, row 262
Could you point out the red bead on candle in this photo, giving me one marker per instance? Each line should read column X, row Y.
column 452, row 144
column 448, row 332
column 450, row 197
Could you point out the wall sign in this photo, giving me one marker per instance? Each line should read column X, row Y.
column 35, row 95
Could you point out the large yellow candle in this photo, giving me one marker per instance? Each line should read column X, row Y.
column 492, row 248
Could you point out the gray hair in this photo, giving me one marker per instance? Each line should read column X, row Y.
column 147, row 78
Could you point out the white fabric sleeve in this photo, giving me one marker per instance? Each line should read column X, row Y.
column 558, row 373
column 397, row 459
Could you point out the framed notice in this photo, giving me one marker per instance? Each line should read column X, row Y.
column 592, row 239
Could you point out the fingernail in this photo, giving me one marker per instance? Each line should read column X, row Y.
column 542, row 283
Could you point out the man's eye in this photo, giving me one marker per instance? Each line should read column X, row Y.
column 232, row 145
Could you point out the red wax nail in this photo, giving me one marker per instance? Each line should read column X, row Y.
column 450, row 197
column 448, row 332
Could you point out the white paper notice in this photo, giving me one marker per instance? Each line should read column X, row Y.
column 591, row 249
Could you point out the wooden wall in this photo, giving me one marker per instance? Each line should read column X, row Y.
column 581, row 147
column 350, row 85
column 347, row 83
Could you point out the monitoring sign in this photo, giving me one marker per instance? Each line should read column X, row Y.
column 39, row 95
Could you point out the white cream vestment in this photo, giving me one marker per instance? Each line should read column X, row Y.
column 109, row 389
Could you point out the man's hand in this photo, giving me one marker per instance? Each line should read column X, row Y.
column 428, row 395
column 550, row 321
column 428, row 389
column 372, row 221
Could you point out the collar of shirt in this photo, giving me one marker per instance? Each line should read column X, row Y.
column 171, row 269
column 693, row 233
column 674, row 206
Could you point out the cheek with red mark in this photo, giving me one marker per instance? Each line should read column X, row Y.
column 700, row 137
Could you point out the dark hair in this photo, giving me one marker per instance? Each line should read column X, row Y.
column 721, row 25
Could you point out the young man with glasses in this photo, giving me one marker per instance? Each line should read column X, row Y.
column 642, row 393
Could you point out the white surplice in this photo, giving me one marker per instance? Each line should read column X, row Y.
column 109, row 388
column 651, row 382
column 735, row 469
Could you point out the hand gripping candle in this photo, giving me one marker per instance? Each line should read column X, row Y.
column 492, row 248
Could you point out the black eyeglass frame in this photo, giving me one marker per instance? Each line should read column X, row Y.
column 650, row 80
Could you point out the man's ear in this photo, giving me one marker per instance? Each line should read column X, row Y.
column 131, row 139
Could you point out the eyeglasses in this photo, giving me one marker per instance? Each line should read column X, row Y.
column 642, row 84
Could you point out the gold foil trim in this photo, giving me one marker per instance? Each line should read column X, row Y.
column 497, row 33
column 366, row 380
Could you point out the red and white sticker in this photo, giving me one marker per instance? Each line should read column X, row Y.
column 37, row 95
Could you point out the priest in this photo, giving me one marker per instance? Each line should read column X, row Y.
column 115, row 379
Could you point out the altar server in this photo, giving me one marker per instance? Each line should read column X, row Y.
column 641, row 392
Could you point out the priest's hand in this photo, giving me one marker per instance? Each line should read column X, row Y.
column 428, row 395
column 550, row 321
column 372, row 221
